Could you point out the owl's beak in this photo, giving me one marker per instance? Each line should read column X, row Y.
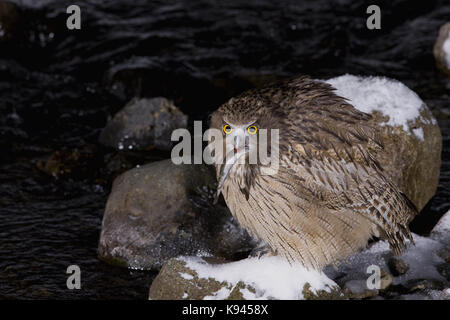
column 232, row 157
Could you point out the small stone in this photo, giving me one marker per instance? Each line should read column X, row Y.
column 441, row 50
column 357, row 289
column 424, row 284
column 9, row 18
column 385, row 281
column 397, row 266
column 143, row 124
column 444, row 270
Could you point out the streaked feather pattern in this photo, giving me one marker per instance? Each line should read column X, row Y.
column 330, row 195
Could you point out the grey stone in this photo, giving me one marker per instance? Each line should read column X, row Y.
column 438, row 51
column 397, row 266
column 9, row 18
column 357, row 289
column 162, row 210
column 143, row 124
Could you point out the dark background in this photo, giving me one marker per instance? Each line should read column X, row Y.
column 58, row 87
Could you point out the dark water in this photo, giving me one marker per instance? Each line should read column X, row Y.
column 57, row 88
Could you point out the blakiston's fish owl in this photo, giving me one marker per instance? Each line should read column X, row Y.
column 330, row 194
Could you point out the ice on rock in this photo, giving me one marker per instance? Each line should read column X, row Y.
column 271, row 277
column 387, row 96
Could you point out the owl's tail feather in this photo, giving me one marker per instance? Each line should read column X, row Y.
column 398, row 239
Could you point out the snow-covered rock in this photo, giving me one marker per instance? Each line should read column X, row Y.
column 410, row 134
column 249, row 279
column 441, row 49
column 427, row 276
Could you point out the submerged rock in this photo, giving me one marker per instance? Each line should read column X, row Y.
column 248, row 279
column 441, row 49
column 9, row 18
column 73, row 163
column 161, row 210
column 143, row 124
column 410, row 134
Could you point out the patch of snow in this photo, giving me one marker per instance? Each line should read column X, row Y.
column 186, row 276
column 185, row 295
column 446, row 48
column 220, row 294
column 418, row 133
column 387, row 96
column 271, row 277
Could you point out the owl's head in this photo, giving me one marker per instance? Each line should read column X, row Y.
column 247, row 129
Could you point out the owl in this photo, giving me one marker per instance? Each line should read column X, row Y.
column 328, row 195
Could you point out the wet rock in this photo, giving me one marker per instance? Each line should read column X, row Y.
column 444, row 253
column 195, row 278
column 73, row 163
column 444, row 270
column 441, row 49
column 161, row 210
column 9, row 17
column 408, row 131
column 420, row 285
column 385, row 281
column 143, row 124
column 414, row 296
column 441, row 232
column 397, row 266
column 357, row 289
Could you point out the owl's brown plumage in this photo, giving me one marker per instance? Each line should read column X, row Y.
column 330, row 195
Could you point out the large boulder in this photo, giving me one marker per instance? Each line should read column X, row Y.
column 162, row 210
column 248, row 279
column 410, row 134
column 441, row 49
column 143, row 124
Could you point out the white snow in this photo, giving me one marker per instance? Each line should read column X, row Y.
column 271, row 277
column 446, row 48
column 186, row 276
column 221, row 294
column 387, row 96
column 419, row 133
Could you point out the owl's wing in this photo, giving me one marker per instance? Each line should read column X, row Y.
column 356, row 184
column 329, row 153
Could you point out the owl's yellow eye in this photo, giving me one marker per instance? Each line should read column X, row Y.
column 227, row 129
column 252, row 129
